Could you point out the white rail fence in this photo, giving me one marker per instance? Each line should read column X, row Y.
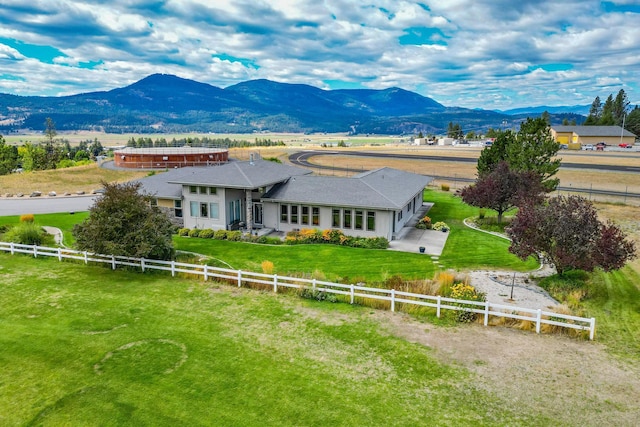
column 486, row 309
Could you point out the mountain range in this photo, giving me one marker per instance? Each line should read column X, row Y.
column 167, row 103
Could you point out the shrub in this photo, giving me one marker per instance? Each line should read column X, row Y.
column 234, row 235
column 183, row 232
column 26, row 233
column 207, row 233
column 466, row 292
column 220, row 235
column 267, row 267
column 481, row 214
column 194, row 232
column 317, row 295
column 444, row 187
column 440, row 226
column 424, row 223
column 27, row 218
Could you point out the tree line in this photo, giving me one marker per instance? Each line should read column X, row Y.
column 51, row 154
column 146, row 142
column 614, row 112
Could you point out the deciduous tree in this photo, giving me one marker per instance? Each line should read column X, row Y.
column 8, row 157
column 124, row 222
column 503, row 189
column 568, row 233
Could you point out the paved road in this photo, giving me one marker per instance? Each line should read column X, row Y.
column 302, row 159
column 39, row 205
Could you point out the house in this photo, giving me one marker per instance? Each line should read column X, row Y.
column 583, row 135
column 259, row 194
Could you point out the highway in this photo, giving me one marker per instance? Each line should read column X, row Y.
column 301, row 158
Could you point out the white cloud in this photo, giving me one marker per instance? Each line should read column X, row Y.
column 489, row 53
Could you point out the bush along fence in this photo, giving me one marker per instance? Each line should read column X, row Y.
column 351, row 293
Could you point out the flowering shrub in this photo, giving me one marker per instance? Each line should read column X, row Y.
column 440, row 226
column 27, row 218
column 335, row 237
column 468, row 293
column 424, row 223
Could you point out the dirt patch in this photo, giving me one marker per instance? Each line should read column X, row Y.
column 572, row 381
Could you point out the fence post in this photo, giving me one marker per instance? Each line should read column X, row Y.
column 142, row 264
column 352, row 294
column 239, row 278
column 12, row 249
column 35, row 251
column 206, row 277
column 173, row 269
column 438, row 306
column 486, row 313
column 59, row 254
column 113, row 262
column 538, row 318
column 592, row 328
column 86, row 260
column 393, row 300
column 275, row 283
column 313, row 283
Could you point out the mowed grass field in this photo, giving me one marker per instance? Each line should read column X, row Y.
column 84, row 345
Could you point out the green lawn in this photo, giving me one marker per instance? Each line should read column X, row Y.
column 84, row 345
column 63, row 221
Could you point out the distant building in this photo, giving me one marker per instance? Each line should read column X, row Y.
column 169, row 157
column 583, row 135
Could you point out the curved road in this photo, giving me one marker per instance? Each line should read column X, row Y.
column 301, row 158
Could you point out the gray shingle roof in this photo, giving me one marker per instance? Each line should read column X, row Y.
column 593, row 130
column 245, row 175
column 157, row 185
column 384, row 188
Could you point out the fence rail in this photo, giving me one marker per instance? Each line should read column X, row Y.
column 486, row 309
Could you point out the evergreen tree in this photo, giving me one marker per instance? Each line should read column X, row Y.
column 632, row 124
column 619, row 108
column 607, row 118
column 595, row 112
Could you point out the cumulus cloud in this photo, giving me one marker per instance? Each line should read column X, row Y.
column 495, row 54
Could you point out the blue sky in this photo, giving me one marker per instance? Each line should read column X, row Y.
column 492, row 54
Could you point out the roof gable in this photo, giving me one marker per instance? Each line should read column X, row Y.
column 245, row 174
column 384, row 188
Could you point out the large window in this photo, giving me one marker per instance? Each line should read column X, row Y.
column 204, row 210
column 305, row 215
column 346, row 218
column 284, row 213
column 294, row 214
column 371, row 221
column 193, row 209
column 359, row 220
column 214, row 211
column 335, row 218
column 316, row 215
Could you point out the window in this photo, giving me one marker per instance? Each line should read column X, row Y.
column 305, row 215
column 335, row 221
column 346, row 218
column 177, row 208
column 203, row 190
column 371, row 221
column 359, row 218
column 204, row 210
column 399, row 215
column 315, row 212
column 294, row 214
column 193, row 189
column 154, row 202
column 193, row 209
column 214, row 211
column 213, row 190
column 284, row 213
